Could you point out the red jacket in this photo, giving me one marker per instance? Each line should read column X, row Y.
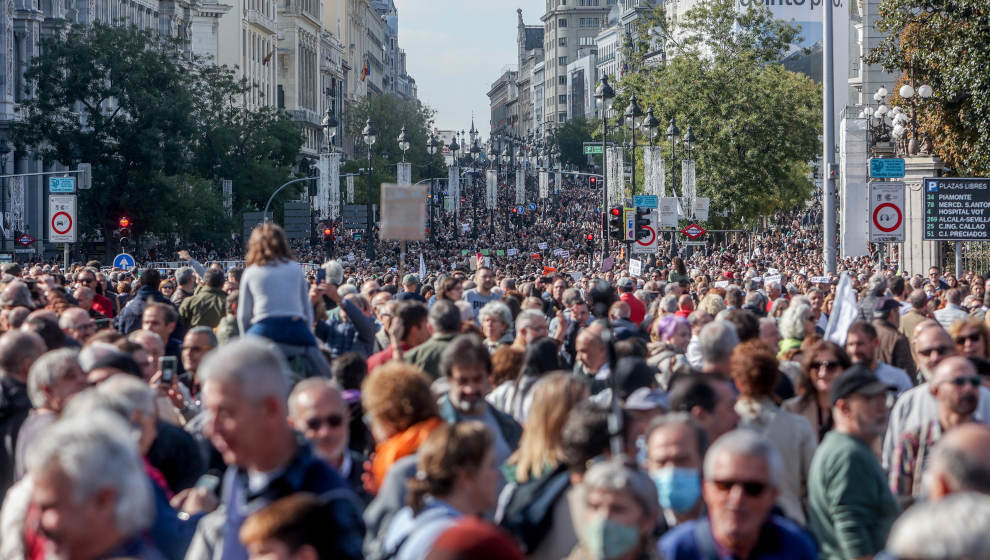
column 380, row 358
column 637, row 310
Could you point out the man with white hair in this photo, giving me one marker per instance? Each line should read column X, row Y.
column 245, row 388
column 90, row 490
column 52, row 380
column 530, row 325
column 717, row 340
column 76, row 323
column 741, row 470
column 943, row 530
column 317, row 410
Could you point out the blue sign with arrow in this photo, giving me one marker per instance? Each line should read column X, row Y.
column 886, row 168
column 532, row 206
column 123, row 261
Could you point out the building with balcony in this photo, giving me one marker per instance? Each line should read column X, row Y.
column 570, row 28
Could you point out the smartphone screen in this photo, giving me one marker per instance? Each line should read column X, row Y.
column 169, row 367
column 321, row 275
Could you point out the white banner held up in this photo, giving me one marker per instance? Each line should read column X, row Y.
column 491, row 190
column 655, row 180
column 615, row 176
column 350, row 189
column 558, row 182
column 333, row 192
column 322, row 186
column 403, row 212
column 520, row 186
column 403, row 173
column 544, row 184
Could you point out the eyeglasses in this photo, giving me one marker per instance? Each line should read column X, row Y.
column 975, row 337
column 333, row 421
column 750, row 487
column 86, row 280
column 973, row 381
column 942, row 350
column 827, row 364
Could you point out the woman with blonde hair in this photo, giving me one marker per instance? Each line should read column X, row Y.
column 540, row 448
column 712, row 303
column 972, row 337
column 274, row 297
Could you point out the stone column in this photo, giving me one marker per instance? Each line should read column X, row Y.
column 918, row 255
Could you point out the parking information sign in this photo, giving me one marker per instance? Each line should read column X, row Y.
column 957, row 209
column 887, row 212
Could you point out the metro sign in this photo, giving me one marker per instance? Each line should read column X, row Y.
column 694, row 231
column 25, row 240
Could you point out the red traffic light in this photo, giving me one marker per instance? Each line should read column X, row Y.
column 124, row 222
column 594, row 181
column 616, row 211
column 327, row 232
column 590, row 237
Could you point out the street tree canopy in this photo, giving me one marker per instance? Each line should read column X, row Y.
column 150, row 118
column 757, row 124
column 945, row 44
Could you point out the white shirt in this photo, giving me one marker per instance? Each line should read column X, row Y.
column 894, row 376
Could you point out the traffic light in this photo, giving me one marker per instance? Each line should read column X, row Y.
column 642, row 222
column 593, row 181
column 616, row 229
column 125, row 230
column 590, row 238
column 328, row 239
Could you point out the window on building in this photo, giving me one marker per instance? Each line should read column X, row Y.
column 561, row 117
column 562, row 60
column 562, row 22
column 562, row 99
column 562, row 80
column 562, row 42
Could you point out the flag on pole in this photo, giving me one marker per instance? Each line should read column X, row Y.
column 365, row 71
column 844, row 312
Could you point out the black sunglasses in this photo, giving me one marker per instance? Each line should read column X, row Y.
column 942, row 350
column 973, row 381
column 750, row 488
column 826, row 364
column 975, row 337
column 334, row 421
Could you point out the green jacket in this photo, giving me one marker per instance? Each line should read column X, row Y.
column 227, row 330
column 205, row 308
column 850, row 506
column 427, row 355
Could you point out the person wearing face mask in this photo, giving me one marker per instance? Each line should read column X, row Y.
column 675, row 446
column 620, row 511
column 467, row 366
column 741, row 471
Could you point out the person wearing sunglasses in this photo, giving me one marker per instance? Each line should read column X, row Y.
column 318, row 411
column 741, row 471
column 956, row 387
column 850, row 505
column 972, row 337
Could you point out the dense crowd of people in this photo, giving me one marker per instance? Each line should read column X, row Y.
column 727, row 403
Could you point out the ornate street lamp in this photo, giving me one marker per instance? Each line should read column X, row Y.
column 370, row 136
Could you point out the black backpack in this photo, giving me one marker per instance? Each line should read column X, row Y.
column 528, row 515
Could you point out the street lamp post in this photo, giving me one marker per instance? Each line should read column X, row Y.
column 475, row 155
column 370, row 136
column 673, row 133
column 431, row 148
column 632, row 113
column 454, row 146
column 604, row 94
column 403, row 141
column 4, row 151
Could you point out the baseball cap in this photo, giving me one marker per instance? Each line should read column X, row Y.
column 410, row 279
column 884, row 306
column 857, row 380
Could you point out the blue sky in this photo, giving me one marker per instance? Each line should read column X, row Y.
column 455, row 50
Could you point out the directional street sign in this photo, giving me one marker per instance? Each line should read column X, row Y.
column 694, row 231
column 590, row 149
column 886, row 212
column 62, row 218
column 61, row 185
column 532, row 206
column 957, row 209
column 886, row 168
column 123, row 261
column 646, row 201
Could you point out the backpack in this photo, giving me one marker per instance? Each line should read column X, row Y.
column 528, row 514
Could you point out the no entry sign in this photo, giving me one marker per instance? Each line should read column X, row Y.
column 62, row 218
column 887, row 212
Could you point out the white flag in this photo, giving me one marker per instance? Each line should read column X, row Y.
column 422, row 268
column 844, row 312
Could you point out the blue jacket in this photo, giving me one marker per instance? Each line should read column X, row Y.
column 780, row 539
column 129, row 319
column 305, row 473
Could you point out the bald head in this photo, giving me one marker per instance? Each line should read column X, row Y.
column 960, row 462
column 932, row 344
column 18, row 350
column 951, row 368
column 318, row 411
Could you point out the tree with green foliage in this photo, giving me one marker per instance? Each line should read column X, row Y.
column 945, row 44
column 757, row 124
column 389, row 113
column 153, row 121
column 570, row 137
